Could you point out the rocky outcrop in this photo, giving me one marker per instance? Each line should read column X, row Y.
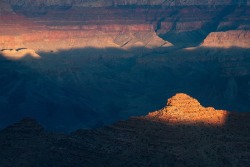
column 184, row 109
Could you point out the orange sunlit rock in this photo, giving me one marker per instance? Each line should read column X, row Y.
column 183, row 109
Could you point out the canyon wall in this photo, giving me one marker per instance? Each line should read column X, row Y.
column 77, row 29
column 42, row 26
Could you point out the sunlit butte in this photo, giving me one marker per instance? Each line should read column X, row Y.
column 183, row 109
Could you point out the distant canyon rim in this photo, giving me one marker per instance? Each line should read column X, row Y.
column 84, row 64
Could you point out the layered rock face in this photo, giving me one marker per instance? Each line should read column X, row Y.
column 90, row 24
column 184, row 109
column 139, row 141
column 239, row 38
column 232, row 31
column 77, row 29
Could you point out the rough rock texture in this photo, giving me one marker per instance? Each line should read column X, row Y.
column 139, row 141
column 184, row 109
column 228, row 39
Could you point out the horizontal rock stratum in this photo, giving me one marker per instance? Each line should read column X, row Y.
column 153, row 140
column 64, row 25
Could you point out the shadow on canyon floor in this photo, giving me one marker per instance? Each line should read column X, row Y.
column 87, row 88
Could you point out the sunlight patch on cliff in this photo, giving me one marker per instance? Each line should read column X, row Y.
column 183, row 109
column 17, row 54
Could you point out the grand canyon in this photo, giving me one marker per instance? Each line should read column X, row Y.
column 82, row 82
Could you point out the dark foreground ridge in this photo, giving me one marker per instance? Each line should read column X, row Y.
column 172, row 136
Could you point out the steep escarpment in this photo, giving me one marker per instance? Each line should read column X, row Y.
column 139, row 141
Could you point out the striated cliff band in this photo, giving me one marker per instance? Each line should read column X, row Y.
column 53, row 25
column 184, row 133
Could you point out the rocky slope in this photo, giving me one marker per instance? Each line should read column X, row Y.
column 139, row 141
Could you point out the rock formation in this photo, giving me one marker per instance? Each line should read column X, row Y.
column 139, row 141
column 228, row 39
column 184, row 109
